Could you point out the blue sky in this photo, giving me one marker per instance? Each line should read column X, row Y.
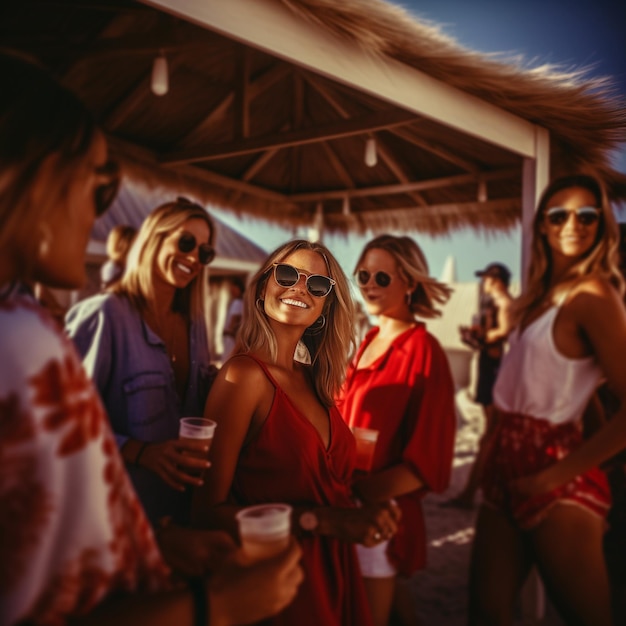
column 571, row 33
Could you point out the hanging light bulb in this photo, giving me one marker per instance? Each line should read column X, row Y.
column 371, row 158
column 160, row 79
column 345, row 207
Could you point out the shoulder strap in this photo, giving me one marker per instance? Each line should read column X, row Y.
column 263, row 366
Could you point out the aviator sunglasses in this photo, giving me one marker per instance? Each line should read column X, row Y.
column 586, row 215
column 317, row 285
column 187, row 243
column 105, row 193
column 381, row 278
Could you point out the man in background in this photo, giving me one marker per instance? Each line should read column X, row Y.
column 488, row 336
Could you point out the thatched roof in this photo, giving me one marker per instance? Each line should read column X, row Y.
column 251, row 130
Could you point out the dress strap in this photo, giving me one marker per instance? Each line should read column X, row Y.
column 264, row 367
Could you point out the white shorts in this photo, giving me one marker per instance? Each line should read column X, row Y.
column 374, row 561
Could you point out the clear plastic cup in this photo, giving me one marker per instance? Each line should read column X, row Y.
column 366, row 439
column 197, row 429
column 264, row 530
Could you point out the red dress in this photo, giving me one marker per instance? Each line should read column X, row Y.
column 408, row 396
column 287, row 462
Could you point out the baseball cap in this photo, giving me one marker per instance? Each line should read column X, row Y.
column 496, row 270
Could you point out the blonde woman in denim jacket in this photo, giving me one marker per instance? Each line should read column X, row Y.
column 144, row 343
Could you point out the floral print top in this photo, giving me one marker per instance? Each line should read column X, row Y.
column 71, row 527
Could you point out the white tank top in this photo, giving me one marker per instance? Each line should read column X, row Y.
column 536, row 379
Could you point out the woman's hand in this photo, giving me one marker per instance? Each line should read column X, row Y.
column 244, row 593
column 179, row 462
column 193, row 552
column 535, row 484
column 369, row 524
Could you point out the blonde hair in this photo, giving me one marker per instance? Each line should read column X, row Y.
column 601, row 259
column 413, row 266
column 331, row 348
column 137, row 282
column 39, row 118
column 119, row 242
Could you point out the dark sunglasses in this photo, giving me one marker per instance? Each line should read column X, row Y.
column 585, row 215
column 381, row 278
column 187, row 243
column 317, row 285
column 105, row 193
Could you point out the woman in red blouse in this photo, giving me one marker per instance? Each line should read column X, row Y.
column 400, row 384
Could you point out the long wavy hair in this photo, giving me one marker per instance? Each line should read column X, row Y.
column 38, row 118
column 602, row 258
column 331, row 347
column 427, row 291
column 138, row 279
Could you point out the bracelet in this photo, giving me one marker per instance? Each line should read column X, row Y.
column 144, row 445
column 197, row 586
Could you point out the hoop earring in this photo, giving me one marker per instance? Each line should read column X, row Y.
column 316, row 327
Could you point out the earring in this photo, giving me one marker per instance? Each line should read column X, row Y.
column 408, row 297
column 316, row 327
column 260, row 304
column 44, row 243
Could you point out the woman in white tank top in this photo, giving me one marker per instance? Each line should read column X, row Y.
column 545, row 500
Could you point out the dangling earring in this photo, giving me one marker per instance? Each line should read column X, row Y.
column 408, row 297
column 44, row 242
column 316, row 327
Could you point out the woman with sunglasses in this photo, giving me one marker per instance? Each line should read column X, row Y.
column 399, row 383
column 544, row 498
column 76, row 545
column 280, row 438
column 144, row 344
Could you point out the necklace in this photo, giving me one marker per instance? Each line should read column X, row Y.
column 168, row 341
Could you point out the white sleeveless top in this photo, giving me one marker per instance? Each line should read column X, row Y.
column 536, row 379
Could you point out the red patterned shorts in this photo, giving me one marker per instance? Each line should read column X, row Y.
column 522, row 446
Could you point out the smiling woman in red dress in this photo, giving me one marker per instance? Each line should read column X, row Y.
column 280, row 438
column 400, row 384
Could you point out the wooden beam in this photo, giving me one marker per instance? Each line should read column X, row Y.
column 434, row 148
column 242, row 95
column 258, row 86
column 384, row 190
column 536, row 175
column 273, row 27
column 147, row 159
column 335, row 130
column 135, row 97
column 387, row 158
column 338, row 166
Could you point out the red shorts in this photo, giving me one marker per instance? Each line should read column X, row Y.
column 522, row 446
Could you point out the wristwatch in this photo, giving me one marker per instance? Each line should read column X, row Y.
column 308, row 521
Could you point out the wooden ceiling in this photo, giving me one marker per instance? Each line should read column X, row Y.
column 264, row 136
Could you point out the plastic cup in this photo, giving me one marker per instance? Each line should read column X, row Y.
column 365, row 445
column 264, row 530
column 197, row 429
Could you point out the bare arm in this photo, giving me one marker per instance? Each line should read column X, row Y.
column 502, row 330
column 387, row 484
column 237, row 397
column 601, row 317
column 239, row 593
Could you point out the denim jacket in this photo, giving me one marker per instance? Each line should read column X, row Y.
column 130, row 367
